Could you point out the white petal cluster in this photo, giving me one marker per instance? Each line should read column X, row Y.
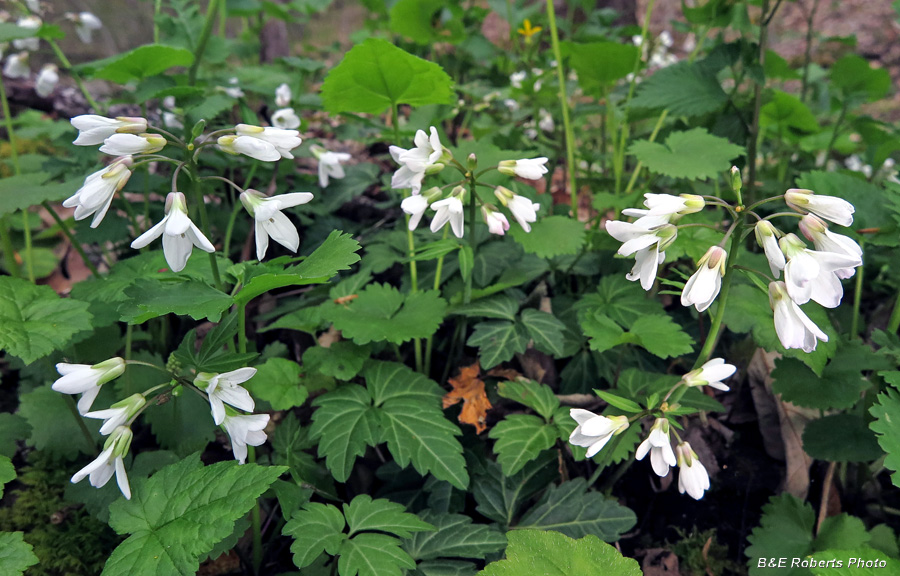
column 825, row 240
column 594, row 431
column 767, row 237
column 269, row 221
column 529, row 168
column 793, row 327
column 830, row 208
column 245, row 430
column 702, row 288
column 416, row 161
column 225, row 389
column 29, row 23
column 110, row 461
column 522, row 208
column 267, row 144
column 711, row 374
column 98, row 190
column 47, row 80
column 812, row 275
column 448, row 210
column 179, row 234
column 86, row 379
column 285, row 119
column 692, row 477
column 647, row 239
column 119, row 414
column 93, row 129
column 496, row 221
column 86, row 24
column 667, row 206
column 659, row 446
column 329, row 164
column 16, row 66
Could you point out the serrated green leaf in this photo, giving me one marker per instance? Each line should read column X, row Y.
column 539, row 397
column 278, row 383
column 7, row 472
column 152, row 298
column 12, row 429
column 787, row 111
column 373, row 555
column 500, row 306
column 365, row 514
column 289, row 443
column 500, row 497
column 497, row 341
column 338, row 252
column 661, row 336
column 316, row 528
column 142, row 62
column 35, row 321
column 854, row 76
column 602, row 332
column 837, row 388
column 685, row 89
column 600, row 64
column 342, row 360
column 551, row 236
column 520, row 438
column 874, row 562
column 21, row 191
column 344, row 423
column 841, row 531
column 617, row 298
column 53, row 430
column 455, row 537
column 171, row 528
column 546, row 331
column 840, row 438
column 16, row 555
column 692, row 154
column 376, row 75
column 177, row 427
column 785, row 531
column 619, row 402
column 573, row 510
column 382, row 313
column 886, row 425
column 418, row 21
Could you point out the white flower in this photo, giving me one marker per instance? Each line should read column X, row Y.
column 29, row 23
column 329, row 164
column 496, row 221
column 248, row 146
column 659, row 446
column 522, row 209
column 511, row 105
column 834, row 209
column 545, row 121
column 98, row 190
column 416, row 161
column 448, row 210
column 529, row 168
column 179, row 234
column 232, row 90
column 17, row 66
column 827, row 241
column 244, row 431
column 223, row 389
column 93, row 129
column 711, row 374
column 85, row 24
column 767, row 237
column 119, row 414
column 286, row 119
column 794, row 328
column 702, row 288
column 415, row 206
column 283, row 96
column 809, row 274
column 692, row 477
column 86, row 379
column 47, row 80
column 282, row 140
column 666, row 205
column 110, row 461
column 594, row 431
column 125, row 144
column 269, row 221
column 516, row 78
column 647, row 238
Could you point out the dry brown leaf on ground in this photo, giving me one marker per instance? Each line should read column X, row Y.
column 469, row 388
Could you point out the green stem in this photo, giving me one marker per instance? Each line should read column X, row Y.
column 67, row 66
column 837, row 125
column 251, row 451
column 196, row 186
column 564, row 104
column 242, row 328
column 71, row 237
column 230, row 228
column 9, row 251
column 753, row 138
column 157, row 7
column 70, row 402
column 17, row 170
column 857, row 301
column 414, row 279
column 607, row 453
column 437, row 286
column 894, row 321
column 211, row 11
column 640, row 165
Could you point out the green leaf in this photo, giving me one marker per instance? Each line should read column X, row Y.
column 176, row 424
column 878, row 563
column 289, row 444
column 539, row 397
column 421, row 22
column 692, row 154
column 342, row 360
column 34, row 321
column 600, row 64
column 373, row 555
column 466, row 262
column 382, row 313
column 602, row 332
column 7, row 472
column 854, row 76
column 886, row 426
column 842, row 531
column 497, row 341
column 545, row 330
column 376, row 75
column 12, row 429
column 16, row 555
column 170, row 529
column 619, row 300
column 413, row 423
column 661, row 336
column 619, row 402
column 140, row 63
column 344, row 423
column 840, row 438
column 12, row 31
column 152, row 298
column 338, row 252
column 316, row 528
column 573, row 510
column 520, row 438
column 554, row 554
column 552, row 236
column 53, row 430
column 21, row 191
column 500, row 306
column 685, row 89
column 500, row 497
column 455, row 537
column 365, row 514
column 785, row 531
column 838, row 388
column 278, row 383
column 787, row 111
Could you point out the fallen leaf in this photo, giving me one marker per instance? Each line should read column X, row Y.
column 469, row 388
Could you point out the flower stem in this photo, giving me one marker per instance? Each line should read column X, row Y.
column 14, row 156
column 67, row 66
column 70, row 402
column 71, row 237
column 437, row 287
column 640, row 165
column 857, row 301
column 204, row 217
column 894, row 321
column 564, row 104
column 211, row 11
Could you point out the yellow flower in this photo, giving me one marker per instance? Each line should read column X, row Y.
column 528, row 31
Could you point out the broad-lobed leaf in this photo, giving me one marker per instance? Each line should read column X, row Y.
column 16, row 555
column 785, row 530
column 520, row 438
column 886, row 425
column 498, row 341
column 365, row 514
column 383, row 313
column 551, row 236
column 344, row 424
column 455, row 537
column 539, row 397
column 546, row 331
column 685, row 89
column 692, row 154
column 575, row 511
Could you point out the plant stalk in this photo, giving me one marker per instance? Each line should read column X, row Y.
column 211, row 11
column 564, row 104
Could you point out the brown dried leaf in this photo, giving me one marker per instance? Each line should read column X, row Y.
column 469, row 388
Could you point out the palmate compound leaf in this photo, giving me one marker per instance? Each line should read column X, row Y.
column 785, row 530
column 364, row 514
column 376, row 75
column 455, row 537
column 539, row 397
column 685, row 89
column 554, row 554
column 520, row 438
column 180, row 513
column 500, row 497
column 545, row 330
column 886, row 425
column 575, row 511
column 551, row 236
column 35, row 321
column 383, row 313
column 693, row 154
column 344, row 423
column 16, row 554
column 150, row 298
column 498, row 341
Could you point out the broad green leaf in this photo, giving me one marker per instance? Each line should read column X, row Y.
column 373, row 555
column 342, row 360
column 455, row 537
column 382, row 313
column 602, row 332
column 413, row 424
column 344, row 424
column 692, row 154
column 785, row 530
column 520, row 438
column 546, row 331
column 661, row 336
column 575, row 511
column 539, row 397
column 854, row 76
column 874, row 562
column 837, row 388
column 551, row 236
column 13, row 428
column 500, row 497
column 152, row 298
column 259, row 285
column 500, row 306
column 421, row 21
column 886, row 426
column 306, row 320
column 600, row 64
column 16, row 555
column 338, row 252
column 617, row 298
column 7, row 472
column 53, row 429
column 180, row 513
column 841, row 531
column 35, row 321
column 444, row 567
column 278, row 383
column 498, row 341
column 365, row 514
column 177, row 426
column 376, row 75
column 787, row 111
column 142, row 62
column 554, row 554
column 289, row 444
column 24, row 190
column 619, row 402
column 316, row 528
column 685, row 89
column 840, row 438
column 12, row 31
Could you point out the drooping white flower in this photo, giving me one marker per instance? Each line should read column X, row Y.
column 119, row 414
column 830, row 208
column 248, row 146
column 47, row 80
column 516, row 78
column 224, row 389
column 416, row 205
column 711, row 374
column 417, row 161
column 98, row 190
column 545, row 121
column 17, row 66
column 522, row 209
column 594, row 431
column 702, row 288
column 282, row 140
column 448, row 210
column 666, row 205
column 93, row 129
column 810, row 274
column 529, row 168
column 793, row 327
column 110, row 461
column 245, row 430
column 496, row 221
column 659, row 446
column 86, row 379
column 29, row 23
column 85, row 25
column 179, row 234
column 283, row 96
column 286, row 119
column 767, row 237
column 269, row 220
column 329, row 164
column 827, row 241
column 692, row 476
column 125, row 144
column 647, row 238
